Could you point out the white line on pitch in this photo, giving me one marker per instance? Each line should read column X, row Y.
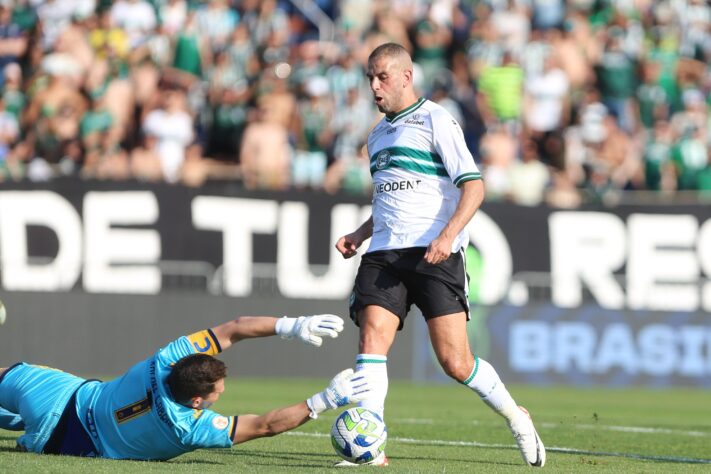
column 624, row 429
column 553, row 449
column 630, row 429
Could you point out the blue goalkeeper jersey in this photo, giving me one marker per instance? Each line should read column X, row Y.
column 135, row 417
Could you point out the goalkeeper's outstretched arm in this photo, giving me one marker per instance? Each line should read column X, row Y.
column 309, row 329
column 346, row 387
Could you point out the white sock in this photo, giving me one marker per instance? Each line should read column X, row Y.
column 486, row 383
column 377, row 365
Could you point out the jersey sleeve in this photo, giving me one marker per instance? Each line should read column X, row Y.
column 211, row 430
column 201, row 342
column 448, row 140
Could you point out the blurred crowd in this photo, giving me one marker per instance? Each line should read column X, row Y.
column 561, row 102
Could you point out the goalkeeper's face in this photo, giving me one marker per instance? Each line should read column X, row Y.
column 203, row 403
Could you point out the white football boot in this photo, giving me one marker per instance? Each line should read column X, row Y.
column 380, row 461
column 530, row 444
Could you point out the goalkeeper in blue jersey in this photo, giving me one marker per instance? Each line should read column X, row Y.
column 159, row 408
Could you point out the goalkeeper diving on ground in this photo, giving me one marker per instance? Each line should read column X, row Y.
column 160, row 408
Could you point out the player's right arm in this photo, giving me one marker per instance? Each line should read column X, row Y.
column 346, row 387
column 348, row 244
column 308, row 329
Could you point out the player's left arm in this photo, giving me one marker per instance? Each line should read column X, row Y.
column 346, row 387
column 270, row 424
column 448, row 141
column 309, row 329
column 469, row 201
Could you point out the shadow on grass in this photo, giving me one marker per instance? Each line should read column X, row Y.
column 295, row 460
column 193, row 461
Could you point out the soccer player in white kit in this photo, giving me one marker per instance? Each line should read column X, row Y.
column 426, row 188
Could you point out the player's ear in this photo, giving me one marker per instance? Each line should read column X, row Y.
column 407, row 74
column 195, row 402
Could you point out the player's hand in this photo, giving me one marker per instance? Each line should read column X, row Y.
column 310, row 329
column 438, row 251
column 348, row 245
column 346, row 387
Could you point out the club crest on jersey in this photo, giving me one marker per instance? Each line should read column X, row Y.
column 220, row 422
column 382, row 160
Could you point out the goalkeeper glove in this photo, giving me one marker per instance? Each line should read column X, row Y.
column 346, row 387
column 310, row 329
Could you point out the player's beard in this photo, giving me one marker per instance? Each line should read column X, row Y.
column 389, row 105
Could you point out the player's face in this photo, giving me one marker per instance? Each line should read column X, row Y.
column 212, row 397
column 387, row 83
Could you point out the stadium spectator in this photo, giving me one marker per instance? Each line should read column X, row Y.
column 657, row 158
column 9, row 135
column 160, row 408
column 350, row 171
column 265, row 153
column 500, row 92
column 136, row 17
column 173, row 128
column 13, row 96
column 313, row 134
column 498, row 152
column 528, row 177
column 13, row 39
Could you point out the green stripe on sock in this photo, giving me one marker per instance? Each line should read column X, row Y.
column 370, row 361
column 476, row 367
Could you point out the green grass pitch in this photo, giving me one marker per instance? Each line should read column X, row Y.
column 446, row 429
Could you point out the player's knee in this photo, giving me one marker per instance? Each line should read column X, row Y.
column 456, row 367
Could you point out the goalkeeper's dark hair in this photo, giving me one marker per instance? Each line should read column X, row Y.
column 195, row 376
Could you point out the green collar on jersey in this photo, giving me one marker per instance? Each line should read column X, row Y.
column 405, row 111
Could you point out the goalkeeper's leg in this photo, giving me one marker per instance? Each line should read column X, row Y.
column 9, row 420
column 449, row 340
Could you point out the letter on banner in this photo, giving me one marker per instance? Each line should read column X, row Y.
column 617, row 349
column 19, row 209
column 658, row 351
column 237, row 219
column 529, row 346
column 121, row 260
column 574, row 343
column 294, row 277
column 586, row 247
column 662, row 270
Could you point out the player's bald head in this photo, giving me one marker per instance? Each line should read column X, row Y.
column 394, row 52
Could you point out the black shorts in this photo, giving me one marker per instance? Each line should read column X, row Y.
column 395, row 279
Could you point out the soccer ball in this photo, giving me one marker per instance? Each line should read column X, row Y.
column 359, row 435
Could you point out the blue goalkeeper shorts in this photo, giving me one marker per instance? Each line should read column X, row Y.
column 39, row 395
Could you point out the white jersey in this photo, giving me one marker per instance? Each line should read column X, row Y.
column 418, row 158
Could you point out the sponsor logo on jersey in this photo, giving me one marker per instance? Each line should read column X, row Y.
column 383, row 159
column 415, row 120
column 391, row 130
column 397, row 186
column 220, row 422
